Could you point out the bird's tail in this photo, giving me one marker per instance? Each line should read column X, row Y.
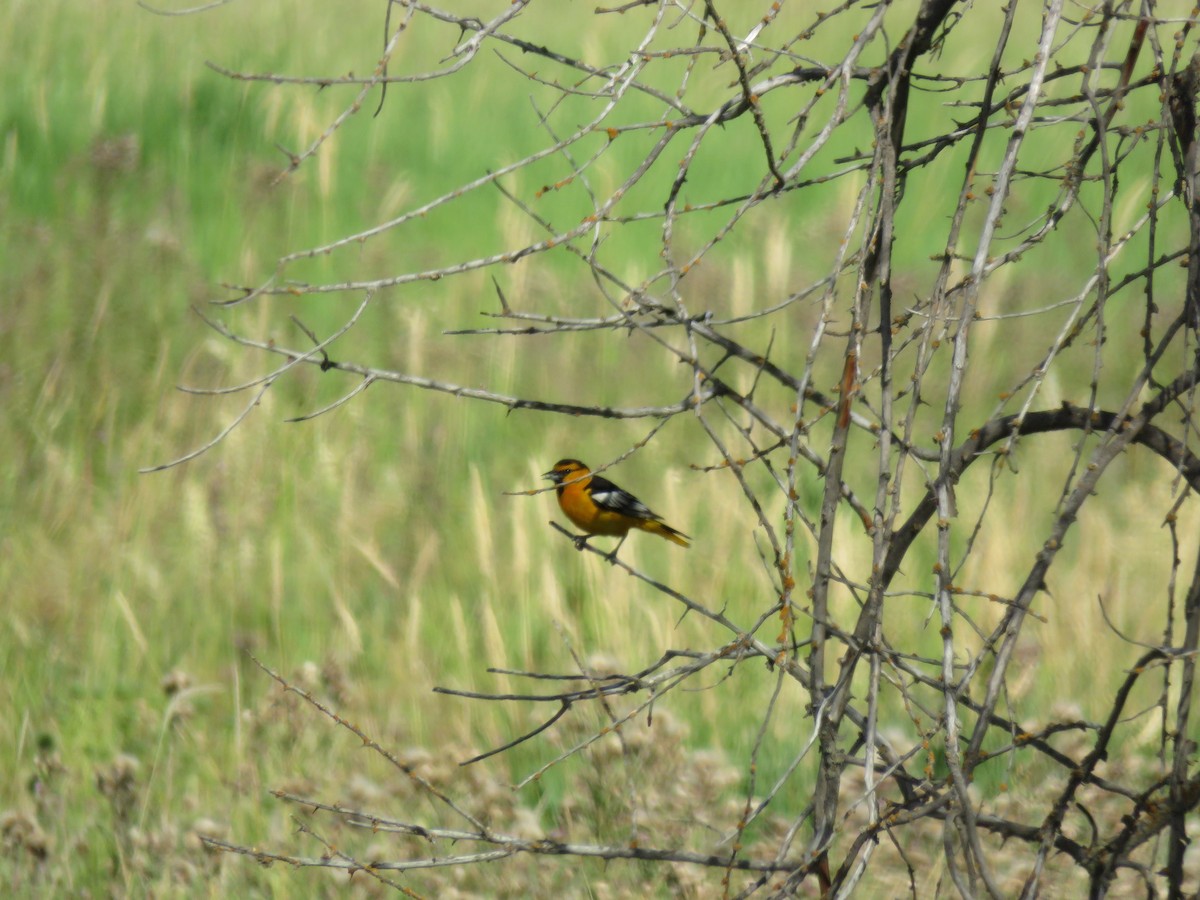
column 654, row 526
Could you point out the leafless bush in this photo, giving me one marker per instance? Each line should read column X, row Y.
column 1008, row 214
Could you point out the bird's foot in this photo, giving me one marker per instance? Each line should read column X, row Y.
column 612, row 557
column 580, row 541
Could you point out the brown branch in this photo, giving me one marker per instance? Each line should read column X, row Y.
column 1065, row 418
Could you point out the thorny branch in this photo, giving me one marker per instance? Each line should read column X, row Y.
column 991, row 186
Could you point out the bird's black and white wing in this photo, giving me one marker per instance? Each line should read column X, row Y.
column 608, row 496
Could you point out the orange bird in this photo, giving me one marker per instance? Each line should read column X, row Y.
column 599, row 507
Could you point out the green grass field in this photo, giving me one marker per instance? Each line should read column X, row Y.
column 370, row 554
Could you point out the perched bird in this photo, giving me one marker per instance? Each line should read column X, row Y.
column 599, row 507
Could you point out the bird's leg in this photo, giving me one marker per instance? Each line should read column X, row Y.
column 581, row 541
column 612, row 557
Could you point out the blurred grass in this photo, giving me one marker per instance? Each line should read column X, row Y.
column 368, row 554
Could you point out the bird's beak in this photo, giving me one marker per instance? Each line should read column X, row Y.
column 551, row 475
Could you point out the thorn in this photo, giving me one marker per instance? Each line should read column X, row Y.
column 503, row 300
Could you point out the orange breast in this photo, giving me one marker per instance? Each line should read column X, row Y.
column 588, row 516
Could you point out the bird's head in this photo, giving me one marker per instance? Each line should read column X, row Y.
column 565, row 470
